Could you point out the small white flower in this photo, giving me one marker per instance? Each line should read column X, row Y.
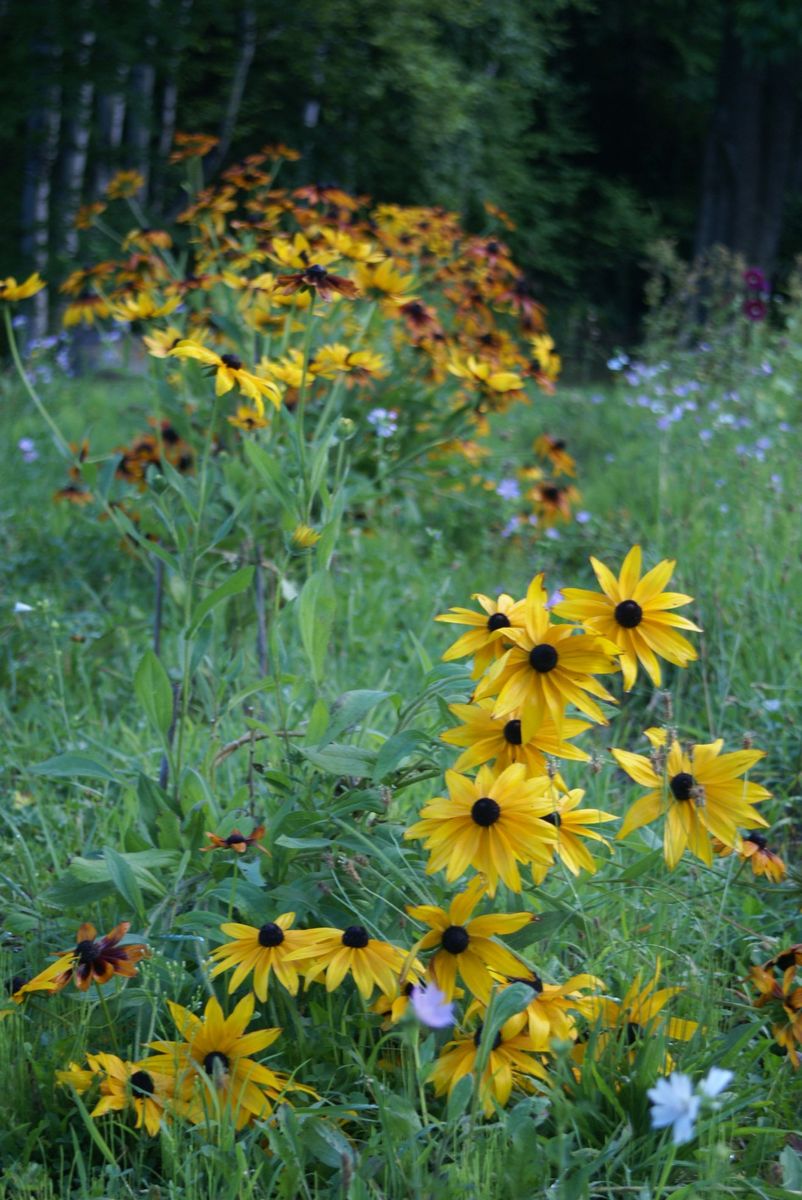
column 431, row 1008
column 716, row 1081
column 21, row 607
column 674, row 1103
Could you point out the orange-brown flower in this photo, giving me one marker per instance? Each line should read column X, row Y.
column 317, row 279
column 236, row 841
column 92, row 960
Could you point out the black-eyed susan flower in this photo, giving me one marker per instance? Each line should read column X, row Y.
column 143, row 307
column 634, row 613
column 485, row 638
column 229, row 372
column 247, row 418
column 315, row 278
column 191, row 145
column 386, row 280
column 92, row 960
column 548, row 667
column 553, row 502
column 304, row 537
column 510, row 1062
column 465, row 945
column 161, row 341
column 550, row 1012
column 123, row 1085
column 12, row 292
column 755, row 850
column 124, row 184
column 699, row 791
column 571, row 823
column 784, row 999
column 85, row 310
column 340, row 952
column 496, row 387
column 490, row 823
column 213, row 1067
column 639, row 1014
column 236, row 841
column 554, row 450
column 260, row 951
column 486, row 737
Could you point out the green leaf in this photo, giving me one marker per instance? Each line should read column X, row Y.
column 122, row 876
column 318, row 721
column 316, row 606
column 503, row 1005
column 293, row 843
column 341, row 760
column 64, row 766
column 349, row 709
column 240, row 581
column 396, row 749
column 460, row 1098
column 154, row 692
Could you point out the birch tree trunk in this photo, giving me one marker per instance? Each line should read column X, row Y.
column 42, row 133
column 76, row 146
column 111, row 116
column 247, row 49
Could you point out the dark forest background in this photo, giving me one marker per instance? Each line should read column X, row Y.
column 599, row 127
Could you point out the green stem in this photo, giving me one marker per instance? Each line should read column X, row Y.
column 61, row 443
column 300, row 412
column 104, row 1005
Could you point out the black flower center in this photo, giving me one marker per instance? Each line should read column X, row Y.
column 407, row 988
column 534, row 982
column 455, row 939
column 512, row 732
column 271, row 934
column 633, row 1032
column 231, row 361
column 681, row 786
column 551, row 493
column 628, row 613
column 236, row 839
column 498, row 620
column 316, row 273
column 142, row 1084
column 786, row 960
column 87, row 951
column 215, row 1061
column 356, row 937
column 558, row 444
column 485, row 811
column 554, row 819
column 477, row 1037
column 757, row 838
column 543, row 658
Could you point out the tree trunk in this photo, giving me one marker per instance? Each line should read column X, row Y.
column 169, row 104
column 111, row 116
column 247, row 49
column 43, row 127
column 140, row 119
column 76, row 139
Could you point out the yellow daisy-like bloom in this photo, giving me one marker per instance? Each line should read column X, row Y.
column 509, row 1062
column 84, row 310
column 490, row 823
column 124, row 184
column 126, row 1085
column 213, row 1064
column 247, row 419
column 386, row 280
column 571, row 823
column 229, row 372
column 143, row 308
column 261, row 951
column 633, row 612
column 485, row 639
column 755, row 850
column 487, row 737
column 494, row 384
column 699, row 793
column 785, row 999
column 549, row 667
column 549, row 1013
column 304, row 537
column 339, row 952
column 640, row 1013
column 161, row 341
column 336, row 358
column 12, row 292
column 465, row 946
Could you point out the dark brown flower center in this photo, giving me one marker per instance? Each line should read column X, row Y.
column 498, row 620
column 271, row 934
column 316, row 273
column 681, row 785
column 543, row 658
column 628, row 614
column 534, row 982
column 455, row 939
column 356, row 937
column 87, row 951
column 215, row 1062
column 236, row 839
column 512, row 732
column 633, row 1032
column 477, row 1037
column 485, row 811
column 757, row 838
column 554, row 819
column 231, row 361
column 142, row 1084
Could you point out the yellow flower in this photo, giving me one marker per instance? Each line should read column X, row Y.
column 493, row 383
column 11, row 291
column 548, row 667
column 571, row 823
column 85, row 309
column 488, row 629
column 386, row 280
column 305, row 537
column 260, row 951
column 549, row 1013
column 699, row 792
column 132, row 1085
column 640, row 1012
column 464, row 945
column 124, row 184
column 633, row 612
column 247, row 418
column 755, row 850
column 229, row 372
column 212, row 1064
column 487, row 737
column 490, row 823
column 509, row 1062
column 339, row 952
column 161, row 341
column 143, row 307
